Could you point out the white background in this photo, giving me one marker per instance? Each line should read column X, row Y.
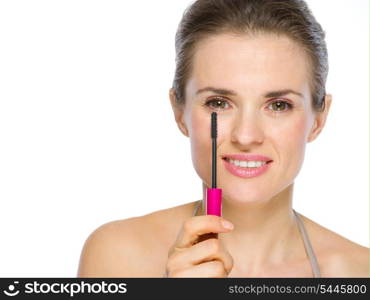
column 87, row 134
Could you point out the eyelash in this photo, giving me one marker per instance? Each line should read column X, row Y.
column 216, row 99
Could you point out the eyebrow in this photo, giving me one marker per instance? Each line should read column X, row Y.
column 270, row 94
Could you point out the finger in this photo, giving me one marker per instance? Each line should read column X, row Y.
column 205, row 251
column 211, row 269
column 196, row 226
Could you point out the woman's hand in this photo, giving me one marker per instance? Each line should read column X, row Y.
column 192, row 256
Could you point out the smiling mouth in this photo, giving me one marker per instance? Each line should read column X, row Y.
column 247, row 163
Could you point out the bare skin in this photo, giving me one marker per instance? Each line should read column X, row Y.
column 139, row 247
column 265, row 241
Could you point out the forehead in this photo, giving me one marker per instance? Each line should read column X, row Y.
column 249, row 63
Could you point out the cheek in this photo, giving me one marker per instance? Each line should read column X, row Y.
column 201, row 144
column 290, row 143
column 291, row 134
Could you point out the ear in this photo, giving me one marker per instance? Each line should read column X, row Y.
column 320, row 119
column 178, row 111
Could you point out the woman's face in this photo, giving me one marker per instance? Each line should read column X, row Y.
column 268, row 111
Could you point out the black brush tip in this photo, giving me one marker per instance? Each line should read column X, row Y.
column 214, row 125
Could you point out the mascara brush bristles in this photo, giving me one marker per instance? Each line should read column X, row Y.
column 214, row 148
column 214, row 125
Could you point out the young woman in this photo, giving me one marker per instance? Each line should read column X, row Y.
column 262, row 66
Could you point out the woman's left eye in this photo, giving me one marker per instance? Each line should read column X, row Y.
column 280, row 105
column 217, row 103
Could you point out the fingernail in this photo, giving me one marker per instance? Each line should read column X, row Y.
column 227, row 224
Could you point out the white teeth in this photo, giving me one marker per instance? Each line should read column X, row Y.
column 243, row 163
column 247, row 164
column 252, row 164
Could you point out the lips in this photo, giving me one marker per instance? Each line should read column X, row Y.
column 246, row 172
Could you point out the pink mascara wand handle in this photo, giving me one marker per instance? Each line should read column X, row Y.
column 214, row 202
column 213, row 207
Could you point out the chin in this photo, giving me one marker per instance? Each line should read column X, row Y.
column 241, row 197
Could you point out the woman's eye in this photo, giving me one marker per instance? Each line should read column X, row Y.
column 217, row 103
column 280, row 105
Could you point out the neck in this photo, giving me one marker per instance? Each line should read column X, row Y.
column 264, row 233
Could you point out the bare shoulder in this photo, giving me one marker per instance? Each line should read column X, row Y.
column 337, row 256
column 134, row 247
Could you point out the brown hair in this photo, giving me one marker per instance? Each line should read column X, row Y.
column 292, row 18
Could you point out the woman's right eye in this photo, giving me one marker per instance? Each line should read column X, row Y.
column 217, row 103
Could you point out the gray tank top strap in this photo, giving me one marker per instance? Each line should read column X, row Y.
column 308, row 247
column 196, row 208
column 306, row 240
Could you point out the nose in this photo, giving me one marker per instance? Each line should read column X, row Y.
column 247, row 130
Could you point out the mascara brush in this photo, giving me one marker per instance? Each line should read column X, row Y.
column 214, row 195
